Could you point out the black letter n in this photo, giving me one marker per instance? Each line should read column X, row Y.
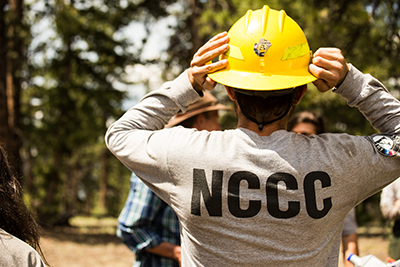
column 212, row 201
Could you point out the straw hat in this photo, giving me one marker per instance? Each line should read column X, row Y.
column 207, row 103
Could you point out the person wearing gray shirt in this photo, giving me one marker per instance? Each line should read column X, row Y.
column 259, row 195
column 19, row 232
column 15, row 252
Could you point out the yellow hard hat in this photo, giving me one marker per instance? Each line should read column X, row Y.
column 267, row 51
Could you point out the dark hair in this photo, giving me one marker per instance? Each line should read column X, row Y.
column 264, row 109
column 15, row 218
column 307, row 117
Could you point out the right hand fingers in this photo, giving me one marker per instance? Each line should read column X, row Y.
column 330, row 67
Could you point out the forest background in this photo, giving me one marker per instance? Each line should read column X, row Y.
column 69, row 68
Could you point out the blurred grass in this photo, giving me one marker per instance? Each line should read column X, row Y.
column 94, row 225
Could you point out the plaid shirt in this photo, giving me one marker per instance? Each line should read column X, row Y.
column 145, row 222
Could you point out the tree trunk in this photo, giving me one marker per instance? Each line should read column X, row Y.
column 15, row 59
column 194, row 29
column 4, row 129
column 71, row 189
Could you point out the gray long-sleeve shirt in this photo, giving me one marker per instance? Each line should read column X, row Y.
column 16, row 253
column 249, row 200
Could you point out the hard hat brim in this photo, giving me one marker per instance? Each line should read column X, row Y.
column 262, row 82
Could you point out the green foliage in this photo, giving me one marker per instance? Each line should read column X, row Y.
column 72, row 94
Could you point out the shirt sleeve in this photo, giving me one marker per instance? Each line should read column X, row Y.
column 138, row 215
column 15, row 252
column 34, row 260
column 129, row 137
column 373, row 100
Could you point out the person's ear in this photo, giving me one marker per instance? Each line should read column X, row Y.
column 199, row 122
column 231, row 93
column 299, row 92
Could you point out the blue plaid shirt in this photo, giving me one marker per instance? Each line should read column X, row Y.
column 144, row 223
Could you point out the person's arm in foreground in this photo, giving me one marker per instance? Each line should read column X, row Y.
column 360, row 90
column 156, row 108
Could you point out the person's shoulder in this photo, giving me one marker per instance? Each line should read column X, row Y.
column 15, row 252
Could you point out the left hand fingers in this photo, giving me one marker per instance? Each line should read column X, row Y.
column 321, row 85
column 329, row 65
column 326, row 78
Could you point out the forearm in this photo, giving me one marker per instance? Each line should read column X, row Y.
column 128, row 138
column 167, row 250
column 372, row 98
column 350, row 246
column 156, row 108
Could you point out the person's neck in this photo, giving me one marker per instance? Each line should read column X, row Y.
column 267, row 130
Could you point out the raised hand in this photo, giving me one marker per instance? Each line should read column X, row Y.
column 330, row 67
column 201, row 64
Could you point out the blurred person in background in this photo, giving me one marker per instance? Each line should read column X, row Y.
column 309, row 123
column 19, row 232
column 147, row 225
column 390, row 207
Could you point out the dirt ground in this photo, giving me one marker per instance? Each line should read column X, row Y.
column 92, row 242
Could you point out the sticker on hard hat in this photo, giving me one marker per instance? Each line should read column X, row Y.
column 295, row 51
column 261, row 47
column 234, row 52
column 385, row 144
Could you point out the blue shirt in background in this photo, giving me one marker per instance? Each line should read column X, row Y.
column 144, row 223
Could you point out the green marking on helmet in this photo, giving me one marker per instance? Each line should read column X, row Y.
column 295, row 51
column 234, row 52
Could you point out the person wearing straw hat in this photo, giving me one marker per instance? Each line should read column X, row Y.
column 147, row 225
column 259, row 195
column 202, row 115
